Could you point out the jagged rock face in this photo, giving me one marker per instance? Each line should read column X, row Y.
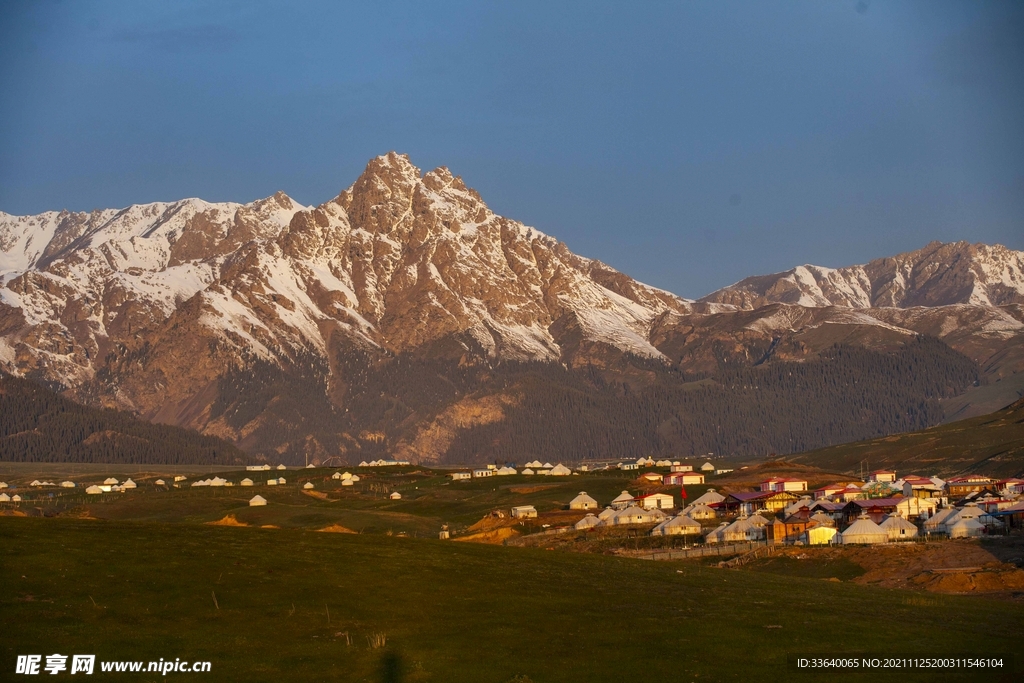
column 937, row 275
column 147, row 307
column 161, row 308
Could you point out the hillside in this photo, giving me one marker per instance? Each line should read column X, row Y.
column 989, row 444
column 37, row 425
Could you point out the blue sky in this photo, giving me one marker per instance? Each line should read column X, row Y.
column 689, row 144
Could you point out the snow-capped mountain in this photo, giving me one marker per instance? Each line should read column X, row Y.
column 937, row 275
column 389, row 316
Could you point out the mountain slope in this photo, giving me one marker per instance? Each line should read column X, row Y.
column 404, row 317
column 37, row 425
column 988, row 444
column 937, row 275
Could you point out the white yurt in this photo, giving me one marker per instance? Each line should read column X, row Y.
column 622, row 501
column 821, row 519
column 699, row 511
column 742, row 530
column 680, row 525
column 4, row 498
column 3, row 484
column 245, row 482
column 281, row 480
column 717, row 535
column 937, row 522
column 804, row 502
column 308, row 485
column 257, row 500
column 354, row 478
column 110, row 482
column 547, row 466
column 36, row 482
column 864, row 532
column 588, row 522
column 636, row 515
column 129, row 484
column 560, row 470
column 67, row 484
column 583, row 502
column 899, row 529
column 281, row 467
column 395, row 495
column 160, row 482
column 966, row 528
column 528, row 471
column 94, row 490
column 607, row 513
column 709, row 498
column 336, row 475
column 506, row 471
column 15, row 498
column 757, row 520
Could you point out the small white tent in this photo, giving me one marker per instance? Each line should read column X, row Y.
column 899, row 529
column 395, row 495
column 622, row 501
column 308, row 485
column 583, row 502
column 129, row 484
column 281, row 467
column 864, row 532
column 257, row 500
column 966, row 528
column 680, row 525
column 709, row 498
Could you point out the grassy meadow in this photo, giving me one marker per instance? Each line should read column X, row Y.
column 448, row 612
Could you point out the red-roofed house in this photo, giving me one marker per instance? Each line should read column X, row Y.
column 784, row 484
column 683, row 478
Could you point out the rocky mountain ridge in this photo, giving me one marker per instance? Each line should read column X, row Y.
column 375, row 320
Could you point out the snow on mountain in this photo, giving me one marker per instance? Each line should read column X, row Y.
column 937, row 275
column 398, row 260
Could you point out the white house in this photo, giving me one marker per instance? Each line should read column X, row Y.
column 257, row 500
column 483, row 472
column 681, row 468
column 459, row 476
column 583, row 502
column 660, row 501
column 635, row 515
column 270, row 482
column 524, row 512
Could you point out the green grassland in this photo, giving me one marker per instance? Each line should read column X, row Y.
column 989, row 444
column 449, row 612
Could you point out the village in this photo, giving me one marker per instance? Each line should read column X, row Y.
column 884, row 508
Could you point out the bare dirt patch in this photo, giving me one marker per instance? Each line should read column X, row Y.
column 333, row 529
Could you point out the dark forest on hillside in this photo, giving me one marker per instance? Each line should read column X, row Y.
column 846, row 394
column 37, row 425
